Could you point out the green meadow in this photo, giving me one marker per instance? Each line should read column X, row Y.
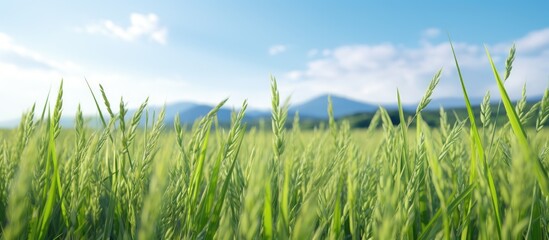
column 467, row 178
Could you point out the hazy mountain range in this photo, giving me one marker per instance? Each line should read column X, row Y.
column 315, row 108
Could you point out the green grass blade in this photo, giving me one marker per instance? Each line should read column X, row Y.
column 479, row 149
column 268, row 212
column 430, row 230
column 404, row 131
column 97, row 105
column 336, row 218
column 520, row 133
column 45, row 106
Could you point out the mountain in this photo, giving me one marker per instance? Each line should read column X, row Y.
column 447, row 103
column 318, row 107
column 9, row 123
column 189, row 112
column 314, row 109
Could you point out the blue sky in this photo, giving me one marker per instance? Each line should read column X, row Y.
column 205, row 51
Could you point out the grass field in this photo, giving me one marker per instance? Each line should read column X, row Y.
column 409, row 181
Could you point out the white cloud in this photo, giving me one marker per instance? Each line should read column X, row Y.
column 28, row 79
column 535, row 41
column 370, row 72
column 313, row 52
column 374, row 72
column 430, row 33
column 277, row 49
column 141, row 25
column 7, row 46
column 294, row 75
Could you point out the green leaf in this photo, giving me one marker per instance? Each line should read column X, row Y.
column 479, row 150
column 520, row 133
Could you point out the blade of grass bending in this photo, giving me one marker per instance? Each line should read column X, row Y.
column 197, row 173
column 519, row 131
column 45, row 106
column 225, row 154
column 478, row 148
column 508, row 68
column 45, row 217
column 57, row 123
column 404, row 129
column 96, row 104
column 201, row 138
column 219, row 205
column 55, row 192
column 430, row 230
column 436, row 176
column 336, row 217
column 268, row 212
column 533, row 212
column 105, row 125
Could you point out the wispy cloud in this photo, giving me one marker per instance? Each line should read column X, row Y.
column 430, row 33
column 277, row 49
column 374, row 72
column 534, row 41
column 313, row 52
column 27, row 57
column 141, row 25
column 27, row 74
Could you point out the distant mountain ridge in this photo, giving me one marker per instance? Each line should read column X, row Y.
column 318, row 107
column 188, row 112
column 315, row 108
